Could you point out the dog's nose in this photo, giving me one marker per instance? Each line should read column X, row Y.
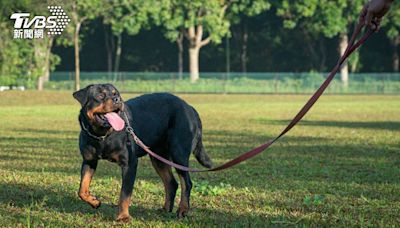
column 116, row 99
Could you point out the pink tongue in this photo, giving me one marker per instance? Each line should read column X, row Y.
column 115, row 120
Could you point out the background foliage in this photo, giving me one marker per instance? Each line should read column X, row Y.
column 289, row 36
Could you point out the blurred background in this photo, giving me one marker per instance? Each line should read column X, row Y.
column 191, row 46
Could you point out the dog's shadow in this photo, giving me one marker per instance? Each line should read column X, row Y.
column 35, row 197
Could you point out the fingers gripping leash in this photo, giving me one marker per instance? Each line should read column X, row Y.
column 373, row 12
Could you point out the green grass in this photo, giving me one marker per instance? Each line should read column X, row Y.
column 339, row 167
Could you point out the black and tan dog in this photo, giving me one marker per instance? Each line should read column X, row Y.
column 164, row 122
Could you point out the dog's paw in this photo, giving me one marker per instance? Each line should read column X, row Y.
column 91, row 200
column 95, row 203
column 124, row 218
column 182, row 212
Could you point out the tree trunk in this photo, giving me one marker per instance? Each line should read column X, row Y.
column 309, row 42
column 395, row 56
column 354, row 61
column 322, row 51
column 109, row 41
column 118, row 53
column 344, row 71
column 243, row 56
column 40, row 83
column 48, row 54
column 179, row 42
column 76, row 47
column 228, row 57
column 194, row 63
column 195, row 37
column 44, row 78
column 46, row 64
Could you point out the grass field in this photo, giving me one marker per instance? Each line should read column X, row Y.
column 339, row 167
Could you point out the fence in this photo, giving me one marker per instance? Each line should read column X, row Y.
column 144, row 82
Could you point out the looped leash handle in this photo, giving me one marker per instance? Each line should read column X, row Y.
column 349, row 50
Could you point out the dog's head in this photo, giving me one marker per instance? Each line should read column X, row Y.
column 102, row 106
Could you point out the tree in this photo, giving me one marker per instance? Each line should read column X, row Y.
column 130, row 16
column 179, row 43
column 326, row 17
column 239, row 13
column 202, row 22
column 79, row 11
column 391, row 23
column 45, row 60
column 24, row 61
column 14, row 58
column 243, row 37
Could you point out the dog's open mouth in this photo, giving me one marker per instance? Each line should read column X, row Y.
column 112, row 119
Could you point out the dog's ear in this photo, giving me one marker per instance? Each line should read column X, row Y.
column 82, row 95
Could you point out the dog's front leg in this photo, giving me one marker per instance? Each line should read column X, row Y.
column 87, row 171
column 128, row 180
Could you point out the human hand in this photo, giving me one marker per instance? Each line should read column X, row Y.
column 373, row 12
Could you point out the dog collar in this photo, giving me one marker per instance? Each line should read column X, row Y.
column 100, row 138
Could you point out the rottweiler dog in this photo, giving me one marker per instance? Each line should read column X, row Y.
column 164, row 122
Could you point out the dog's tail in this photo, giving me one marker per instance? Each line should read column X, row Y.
column 201, row 155
column 197, row 146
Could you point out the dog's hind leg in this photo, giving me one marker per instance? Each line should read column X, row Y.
column 87, row 171
column 180, row 140
column 178, row 156
column 186, row 187
column 170, row 184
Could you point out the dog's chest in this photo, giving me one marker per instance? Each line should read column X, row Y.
column 109, row 149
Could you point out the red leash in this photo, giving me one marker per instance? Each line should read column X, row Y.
column 349, row 50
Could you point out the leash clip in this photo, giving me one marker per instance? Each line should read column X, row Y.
column 129, row 129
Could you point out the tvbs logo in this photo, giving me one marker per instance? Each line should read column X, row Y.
column 26, row 28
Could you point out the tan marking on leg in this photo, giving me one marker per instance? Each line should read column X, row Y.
column 184, row 203
column 123, row 214
column 84, row 192
column 166, row 175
